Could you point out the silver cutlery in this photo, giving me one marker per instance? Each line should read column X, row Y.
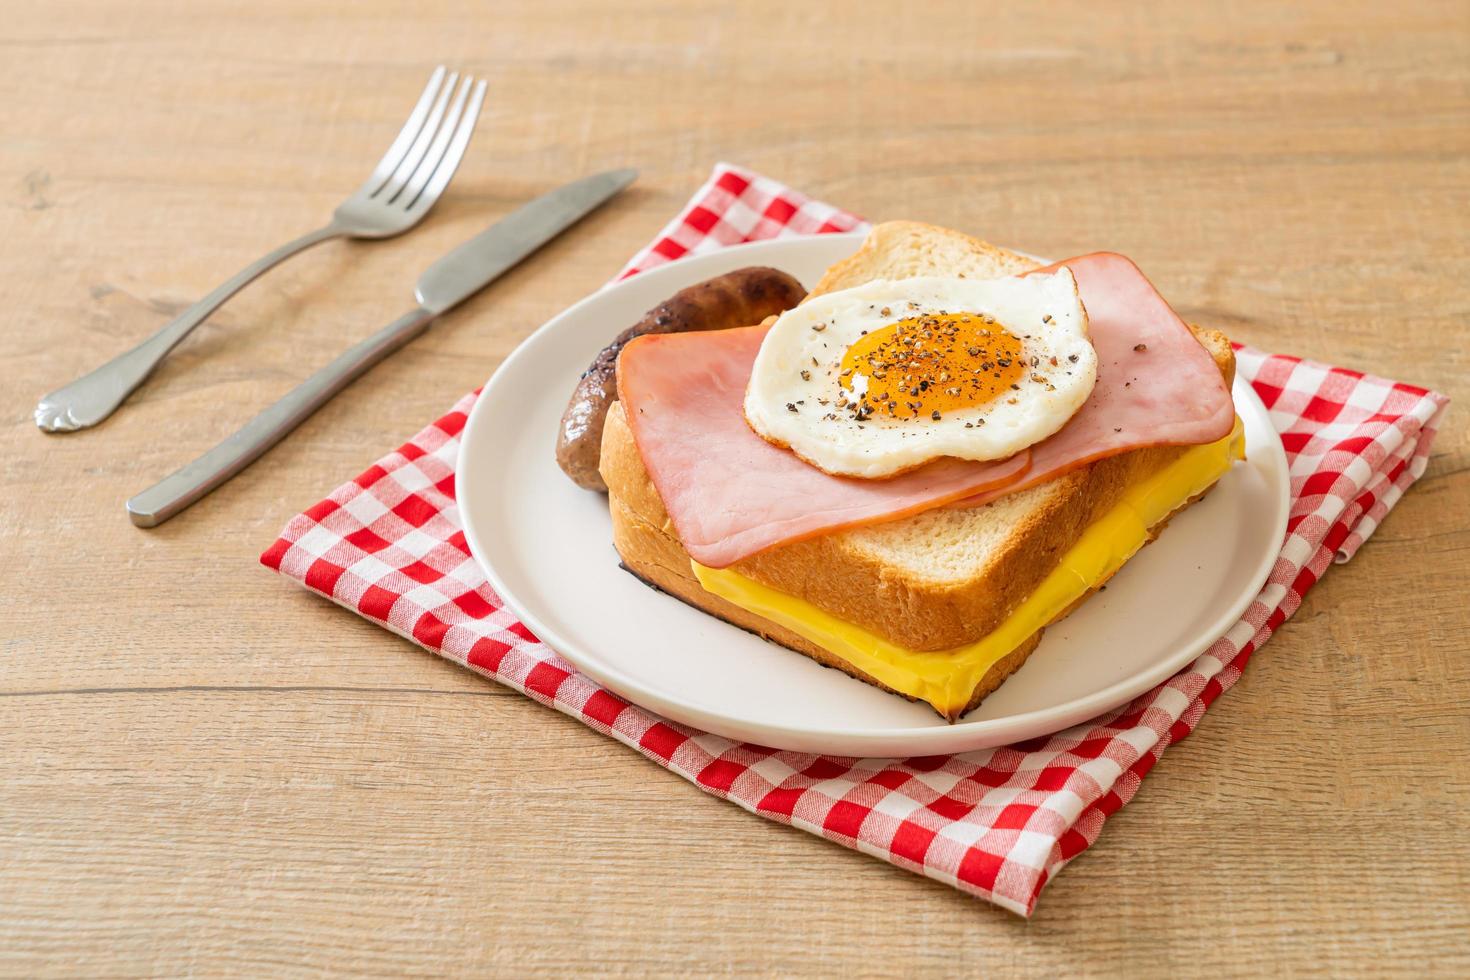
column 448, row 282
column 400, row 191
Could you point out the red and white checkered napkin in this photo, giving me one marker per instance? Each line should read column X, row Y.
column 998, row 823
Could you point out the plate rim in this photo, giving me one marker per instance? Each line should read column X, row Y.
column 979, row 733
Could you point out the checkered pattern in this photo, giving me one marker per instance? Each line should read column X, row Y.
column 737, row 205
column 997, row 824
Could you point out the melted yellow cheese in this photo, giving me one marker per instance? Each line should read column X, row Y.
column 947, row 678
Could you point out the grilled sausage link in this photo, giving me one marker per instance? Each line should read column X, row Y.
column 737, row 299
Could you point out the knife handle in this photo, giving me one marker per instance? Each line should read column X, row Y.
column 186, row 486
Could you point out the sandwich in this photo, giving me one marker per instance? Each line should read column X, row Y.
column 940, row 451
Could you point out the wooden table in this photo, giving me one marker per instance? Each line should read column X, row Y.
column 206, row 769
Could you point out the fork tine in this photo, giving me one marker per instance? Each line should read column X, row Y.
column 450, row 162
column 406, row 135
column 409, row 192
column 416, row 151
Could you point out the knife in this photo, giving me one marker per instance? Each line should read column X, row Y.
column 445, row 284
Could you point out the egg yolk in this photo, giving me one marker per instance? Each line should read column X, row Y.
column 924, row 366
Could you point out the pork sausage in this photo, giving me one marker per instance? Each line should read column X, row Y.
column 741, row 298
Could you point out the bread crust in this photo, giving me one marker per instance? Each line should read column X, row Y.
column 920, row 250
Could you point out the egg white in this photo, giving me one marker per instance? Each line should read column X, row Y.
column 794, row 384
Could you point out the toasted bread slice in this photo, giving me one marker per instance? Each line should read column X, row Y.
column 906, row 249
column 653, row 553
column 931, row 582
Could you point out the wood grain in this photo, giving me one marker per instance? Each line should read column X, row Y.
column 205, row 770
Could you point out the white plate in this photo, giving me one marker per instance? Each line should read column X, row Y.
column 546, row 547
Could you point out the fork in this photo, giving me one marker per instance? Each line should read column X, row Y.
column 400, row 191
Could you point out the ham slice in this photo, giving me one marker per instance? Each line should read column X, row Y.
column 728, row 492
column 1156, row 386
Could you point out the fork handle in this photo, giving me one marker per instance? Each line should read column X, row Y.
column 95, row 396
column 186, row 486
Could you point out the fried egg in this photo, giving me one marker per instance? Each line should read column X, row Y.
column 887, row 376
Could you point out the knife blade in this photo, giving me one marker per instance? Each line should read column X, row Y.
column 448, row 282
column 499, row 248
